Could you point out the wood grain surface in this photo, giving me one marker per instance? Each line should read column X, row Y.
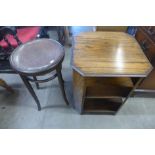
column 109, row 54
column 112, row 28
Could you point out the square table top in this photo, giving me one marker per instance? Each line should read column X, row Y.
column 109, row 54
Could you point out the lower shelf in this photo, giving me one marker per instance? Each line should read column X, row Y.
column 102, row 106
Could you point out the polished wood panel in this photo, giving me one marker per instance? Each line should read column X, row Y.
column 109, row 53
column 150, row 30
column 146, row 37
column 146, row 44
column 112, row 28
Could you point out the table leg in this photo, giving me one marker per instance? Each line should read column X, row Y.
column 132, row 91
column 79, row 91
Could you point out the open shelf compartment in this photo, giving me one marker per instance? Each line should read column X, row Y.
column 102, row 106
column 105, row 95
column 108, row 87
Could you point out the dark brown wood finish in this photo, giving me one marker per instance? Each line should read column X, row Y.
column 49, row 54
column 104, row 64
column 79, row 91
column 146, row 37
column 112, row 28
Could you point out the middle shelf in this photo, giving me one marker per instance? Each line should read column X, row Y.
column 108, row 87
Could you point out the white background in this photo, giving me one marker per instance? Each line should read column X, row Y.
column 77, row 12
column 76, row 142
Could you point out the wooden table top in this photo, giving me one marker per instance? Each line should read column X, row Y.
column 109, row 54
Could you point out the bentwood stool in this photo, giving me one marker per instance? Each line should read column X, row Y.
column 37, row 58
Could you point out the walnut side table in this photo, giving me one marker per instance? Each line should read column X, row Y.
column 107, row 67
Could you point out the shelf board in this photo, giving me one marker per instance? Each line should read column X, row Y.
column 108, row 87
column 100, row 106
column 115, row 81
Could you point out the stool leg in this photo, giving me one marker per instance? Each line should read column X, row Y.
column 29, row 87
column 37, row 84
column 61, row 82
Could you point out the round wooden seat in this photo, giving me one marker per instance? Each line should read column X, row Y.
column 37, row 56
